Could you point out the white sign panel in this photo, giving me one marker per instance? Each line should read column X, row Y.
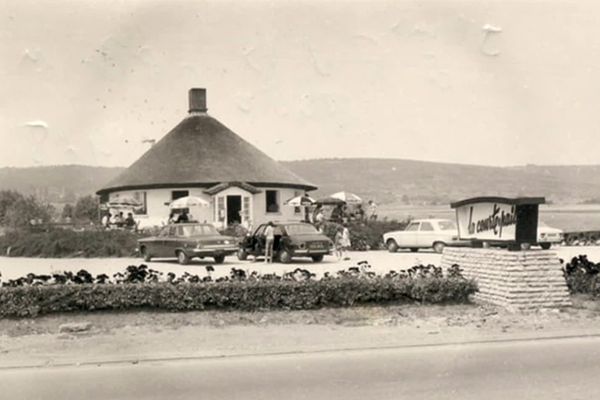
column 487, row 221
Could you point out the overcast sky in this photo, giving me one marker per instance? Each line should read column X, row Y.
column 493, row 83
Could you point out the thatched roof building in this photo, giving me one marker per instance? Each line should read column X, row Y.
column 202, row 152
column 202, row 157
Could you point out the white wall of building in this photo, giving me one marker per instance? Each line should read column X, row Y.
column 158, row 200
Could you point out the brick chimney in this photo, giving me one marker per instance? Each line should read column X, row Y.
column 197, row 100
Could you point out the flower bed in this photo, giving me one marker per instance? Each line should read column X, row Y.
column 140, row 287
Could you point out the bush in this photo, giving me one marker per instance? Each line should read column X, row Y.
column 57, row 243
column 294, row 291
column 234, row 230
column 366, row 235
column 582, row 275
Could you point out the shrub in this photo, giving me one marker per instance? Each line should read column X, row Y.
column 582, row 275
column 366, row 235
column 235, row 230
column 66, row 243
column 294, row 291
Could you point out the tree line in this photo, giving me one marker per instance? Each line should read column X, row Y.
column 19, row 211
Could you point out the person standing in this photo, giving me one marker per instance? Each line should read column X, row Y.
column 269, row 239
column 106, row 220
column 337, row 240
column 372, row 210
column 346, row 244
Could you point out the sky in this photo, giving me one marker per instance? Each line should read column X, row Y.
column 471, row 82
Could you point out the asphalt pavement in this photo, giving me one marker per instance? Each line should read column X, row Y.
column 538, row 369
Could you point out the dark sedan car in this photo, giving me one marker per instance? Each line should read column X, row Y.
column 292, row 239
column 187, row 241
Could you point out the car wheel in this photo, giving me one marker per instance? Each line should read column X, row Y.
column 438, row 247
column 545, row 246
column 182, row 258
column 318, row 258
column 219, row 259
column 285, row 256
column 392, row 246
column 145, row 255
column 414, row 249
column 242, row 254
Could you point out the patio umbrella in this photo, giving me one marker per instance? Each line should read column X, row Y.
column 329, row 201
column 124, row 202
column 298, row 201
column 349, row 198
column 188, row 201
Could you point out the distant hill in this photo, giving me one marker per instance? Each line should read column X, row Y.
column 57, row 184
column 416, row 182
column 390, row 181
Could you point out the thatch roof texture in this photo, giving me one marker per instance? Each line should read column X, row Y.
column 202, row 152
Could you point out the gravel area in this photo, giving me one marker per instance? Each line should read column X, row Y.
column 380, row 261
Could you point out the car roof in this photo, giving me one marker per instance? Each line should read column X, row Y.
column 431, row 220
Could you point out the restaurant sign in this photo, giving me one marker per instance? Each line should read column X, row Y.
column 487, row 221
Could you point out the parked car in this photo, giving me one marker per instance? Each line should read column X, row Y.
column 186, row 241
column 423, row 233
column 547, row 236
column 292, row 239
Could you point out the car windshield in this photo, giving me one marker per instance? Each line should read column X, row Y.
column 300, row 229
column 196, row 230
column 447, row 225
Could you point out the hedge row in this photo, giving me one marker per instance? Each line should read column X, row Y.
column 249, row 295
column 58, row 243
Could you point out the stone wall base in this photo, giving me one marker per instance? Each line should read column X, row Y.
column 512, row 279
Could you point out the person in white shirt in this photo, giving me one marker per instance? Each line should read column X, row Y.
column 269, row 239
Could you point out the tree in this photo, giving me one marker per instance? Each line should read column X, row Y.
column 7, row 199
column 86, row 209
column 67, row 211
column 22, row 211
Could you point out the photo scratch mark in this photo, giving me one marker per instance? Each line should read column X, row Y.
column 489, row 30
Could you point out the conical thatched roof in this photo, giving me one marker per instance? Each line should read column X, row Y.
column 202, row 152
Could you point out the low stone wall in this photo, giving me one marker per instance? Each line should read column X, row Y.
column 513, row 279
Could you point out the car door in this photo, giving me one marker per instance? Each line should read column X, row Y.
column 426, row 234
column 258, row 240
column 157, row 246
column 408, row 237
column 171, row 241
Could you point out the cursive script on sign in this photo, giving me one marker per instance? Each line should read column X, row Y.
column 497, row 220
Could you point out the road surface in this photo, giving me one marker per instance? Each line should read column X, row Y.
column 540, row 369
column 380, row 261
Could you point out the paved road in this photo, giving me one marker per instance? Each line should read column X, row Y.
column 548, row 369
column 381, row 261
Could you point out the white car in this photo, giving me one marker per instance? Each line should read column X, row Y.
column 547, row 236
column 422, row 234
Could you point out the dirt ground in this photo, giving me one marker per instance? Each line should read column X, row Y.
column 148, row 335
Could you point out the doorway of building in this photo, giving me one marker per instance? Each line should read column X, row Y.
column 234, row 206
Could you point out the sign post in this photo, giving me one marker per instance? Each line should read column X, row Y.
column 498, row 221
column 513, row 279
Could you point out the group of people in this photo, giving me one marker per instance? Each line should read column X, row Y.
column 110, row 221
column 181, row 218
column 342, row 213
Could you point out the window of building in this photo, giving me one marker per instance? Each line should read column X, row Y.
column 177, row 194
column 140, row 197
column 272, row 197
